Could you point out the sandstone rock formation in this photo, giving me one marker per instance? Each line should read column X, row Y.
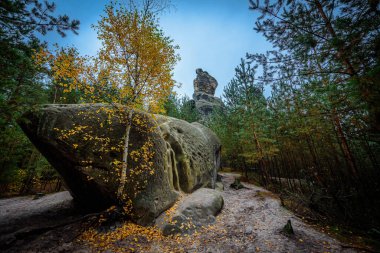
column 204, row 91
column 83, row 143
column 196, row 210
column 193, row 154
column 204, row 82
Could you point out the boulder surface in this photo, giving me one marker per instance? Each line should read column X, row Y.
column 195, row 210
column 84, row 144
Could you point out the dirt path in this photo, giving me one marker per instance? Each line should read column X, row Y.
column 251, row 221
column 254, row 212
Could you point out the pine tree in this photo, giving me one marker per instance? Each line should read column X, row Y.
column 324, row 106
column 22, row 18
column 21, row 81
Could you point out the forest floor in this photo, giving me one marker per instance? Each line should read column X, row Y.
column 252, row 220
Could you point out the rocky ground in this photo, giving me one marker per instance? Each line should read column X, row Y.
column 252, row 220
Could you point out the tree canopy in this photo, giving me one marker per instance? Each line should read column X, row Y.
column 22, row 86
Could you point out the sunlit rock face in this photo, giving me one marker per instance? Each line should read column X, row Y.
column 84, row 143
column 204, row 91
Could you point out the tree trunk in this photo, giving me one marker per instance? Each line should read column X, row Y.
column 339, row 131
column 125, row 156
column 261, row 161
column 344, row 145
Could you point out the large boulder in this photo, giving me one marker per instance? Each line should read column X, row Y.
column 193, row 211
column 204, row 91
column 84, row 143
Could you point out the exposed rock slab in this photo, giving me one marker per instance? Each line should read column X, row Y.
column 21, row 211
column 195, row 210
column 80, row 140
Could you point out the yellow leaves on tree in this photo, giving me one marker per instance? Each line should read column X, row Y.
column 138, row 55
column 139, row 59
column 133, row 67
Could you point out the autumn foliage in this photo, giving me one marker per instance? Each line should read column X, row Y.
column 132, row 68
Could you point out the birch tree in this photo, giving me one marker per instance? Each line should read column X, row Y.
column 133, row 67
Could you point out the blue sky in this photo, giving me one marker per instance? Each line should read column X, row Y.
column 212, row 35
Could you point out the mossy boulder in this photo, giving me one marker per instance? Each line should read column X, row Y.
column 84, row 143
column 193, row 211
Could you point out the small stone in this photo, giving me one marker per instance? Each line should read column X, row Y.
column 288, row 228
column 237, row 184
column 219, row 186
column 248, row 230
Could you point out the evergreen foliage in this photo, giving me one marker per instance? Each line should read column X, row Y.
column 22, row 85
column 181, row 108
column 317, row 135
column 22, row 18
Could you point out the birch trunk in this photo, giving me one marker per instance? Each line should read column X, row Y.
column 125, row 156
